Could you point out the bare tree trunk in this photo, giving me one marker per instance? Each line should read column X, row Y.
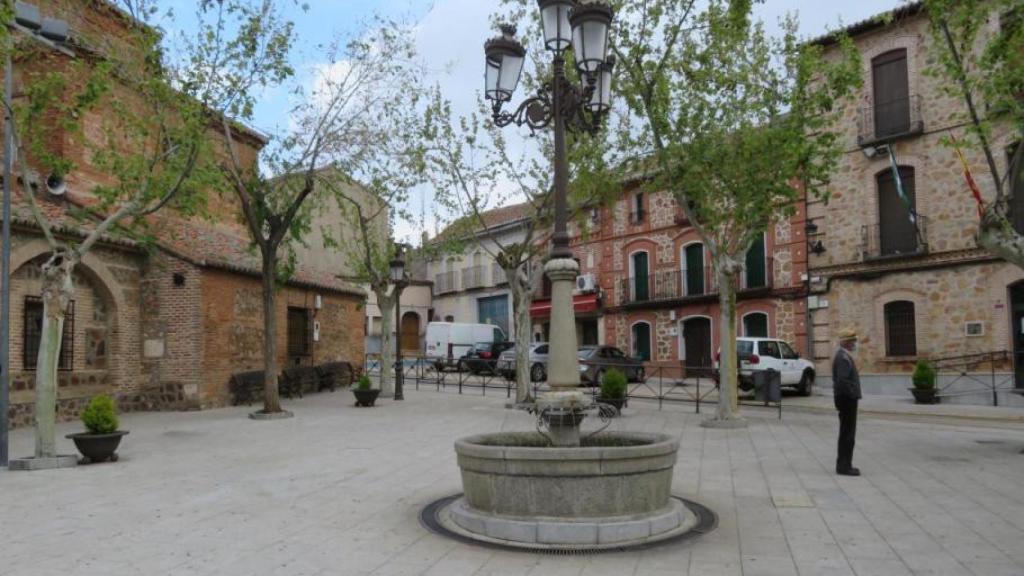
column 271, row 395
column 58, row 290
column 386, row 303
column 996, row 234
column 521, row 299
column 728, row 271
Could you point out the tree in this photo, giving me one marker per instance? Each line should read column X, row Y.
column 729, row 120
column 346, row 123
column 152, row 143
column 984, row 69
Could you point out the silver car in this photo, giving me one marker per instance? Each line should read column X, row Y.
column 538, row 362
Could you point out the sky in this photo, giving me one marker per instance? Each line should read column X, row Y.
column 450, row 36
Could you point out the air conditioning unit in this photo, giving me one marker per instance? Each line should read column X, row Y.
column 586, row 283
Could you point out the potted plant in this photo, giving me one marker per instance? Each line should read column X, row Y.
column 365, row 393
column 100, row 440
column 924, row 383
column 613, row 389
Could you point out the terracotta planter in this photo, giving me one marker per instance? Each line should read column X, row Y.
column 924, row 395
column 366, row 397
column 97, row 447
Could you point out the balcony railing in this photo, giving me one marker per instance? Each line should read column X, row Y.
column 675, row 284
column 905, row 240
column 498, row 275
column 473, row 278
column 883, row 121
column 444, row 282
column 637, row 216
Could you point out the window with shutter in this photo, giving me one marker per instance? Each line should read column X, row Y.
column 897, row 232
column 891, row 93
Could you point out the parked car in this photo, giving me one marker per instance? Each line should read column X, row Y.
column 447, row 342
column 538, row 360
column 770, row 353
column 483, row 357
column 596, row 360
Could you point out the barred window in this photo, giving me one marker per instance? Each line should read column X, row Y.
column 900, row 329
column 32, row 332
column 300, row 331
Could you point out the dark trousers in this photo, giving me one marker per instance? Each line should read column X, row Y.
column 847, row 431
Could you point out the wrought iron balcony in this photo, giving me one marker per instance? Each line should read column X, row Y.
column 906, row 239
column 885, row 121
column 675, row 284
column 473, row 277
column 444, row 282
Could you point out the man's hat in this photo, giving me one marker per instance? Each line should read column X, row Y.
column 847, row 334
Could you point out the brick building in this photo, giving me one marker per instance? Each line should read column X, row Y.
column 647, row 284
column 163, row 325
column 912, row 289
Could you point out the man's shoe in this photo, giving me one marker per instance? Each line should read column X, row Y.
column 851, row 471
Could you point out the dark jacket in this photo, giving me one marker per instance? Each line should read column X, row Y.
column 845, row 379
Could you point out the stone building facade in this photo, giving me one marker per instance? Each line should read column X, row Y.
column 918, row 289
column 160, row 326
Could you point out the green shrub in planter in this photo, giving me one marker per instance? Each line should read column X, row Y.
column 924, row 376
column 363, row 382
column 613, row 385
column 100, row 415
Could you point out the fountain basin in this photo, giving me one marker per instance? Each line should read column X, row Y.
column 612, row 474
column 612, row 491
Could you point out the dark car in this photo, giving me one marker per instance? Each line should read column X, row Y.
column 483, row 356
column 596, row 360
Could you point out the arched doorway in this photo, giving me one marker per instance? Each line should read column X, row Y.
column 410, row 337
column 641, row 344
column 696, row 347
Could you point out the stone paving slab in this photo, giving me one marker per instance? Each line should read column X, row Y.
column 337, row 490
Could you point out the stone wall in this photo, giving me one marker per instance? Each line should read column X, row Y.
column 952, row 282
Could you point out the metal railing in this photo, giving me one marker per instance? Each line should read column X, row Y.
column 970, row 369
column 882, row 121
column 498, row 275
column 675, row 284
column 444, row 282
column 473, row 277
column 666, row 385
column 909, row 241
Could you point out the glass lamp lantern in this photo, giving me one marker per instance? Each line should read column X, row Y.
column 397, row 266
column 554, row 15
column 590, row 23
column 505, row 57
column 600, row 101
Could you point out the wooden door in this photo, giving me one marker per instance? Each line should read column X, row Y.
column 697, row 344
column 410, row 338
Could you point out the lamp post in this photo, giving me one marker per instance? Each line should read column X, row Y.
column 563, row 104
column 50, row 32
column 398, row 278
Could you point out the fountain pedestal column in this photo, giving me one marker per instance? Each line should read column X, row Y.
column 563, row 407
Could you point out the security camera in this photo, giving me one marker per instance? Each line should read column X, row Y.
column 55, row 184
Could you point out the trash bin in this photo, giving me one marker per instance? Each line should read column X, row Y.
column 768, row 385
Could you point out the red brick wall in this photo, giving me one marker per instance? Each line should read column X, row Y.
column 233, row 329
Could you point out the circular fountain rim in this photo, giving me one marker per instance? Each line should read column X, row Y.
column 432, row 517
column 657, row 444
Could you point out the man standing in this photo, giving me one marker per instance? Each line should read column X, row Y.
column 846, row 391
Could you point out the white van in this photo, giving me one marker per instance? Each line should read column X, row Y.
column 449, row 341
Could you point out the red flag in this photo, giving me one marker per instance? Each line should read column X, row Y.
column 967, row 176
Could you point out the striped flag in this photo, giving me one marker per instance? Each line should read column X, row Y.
column 975, row 191
column 899, row 186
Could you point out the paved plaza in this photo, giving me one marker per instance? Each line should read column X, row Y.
column 338, row 490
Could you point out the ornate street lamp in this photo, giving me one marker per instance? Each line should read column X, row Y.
column 562, row 103
column 398, row 278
